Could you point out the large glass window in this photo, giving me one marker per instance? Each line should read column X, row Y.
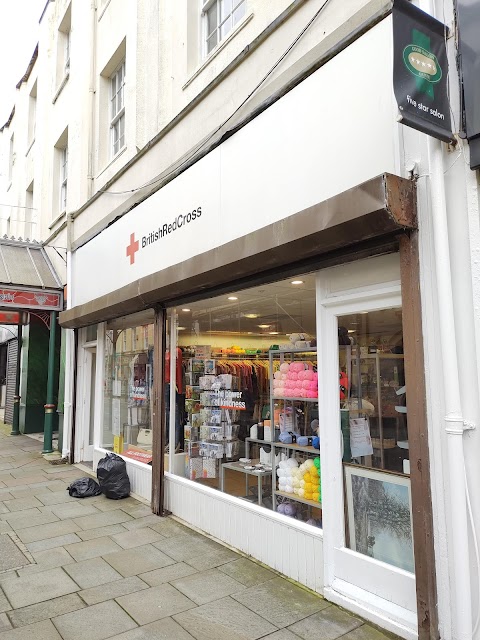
column 246, row 396
column 375, row 436
column 127, row 423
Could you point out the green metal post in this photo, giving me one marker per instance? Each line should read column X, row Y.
column 49, row 406
column 16, row 398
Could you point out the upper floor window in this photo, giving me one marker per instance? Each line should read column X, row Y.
column 11, row 157
column 220, row 16
column 117, row 109
column 63, row 178
column 67, row 52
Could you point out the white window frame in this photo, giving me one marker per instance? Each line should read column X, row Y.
column 66, row 67
column 219, row 30
column 117, row 112
column 63, row 178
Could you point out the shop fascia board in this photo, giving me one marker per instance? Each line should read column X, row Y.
column 378, row 209
column 356, row 26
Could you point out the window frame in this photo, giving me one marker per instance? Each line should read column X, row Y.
column 67, row 49
column 119, row 115
column 206, row 6
column 63, row 191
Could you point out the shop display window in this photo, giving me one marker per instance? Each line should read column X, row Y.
column 127, row 411
column 246, row 402
column 373, row 409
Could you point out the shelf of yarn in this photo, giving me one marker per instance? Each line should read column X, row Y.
column 296, row 399
column 296, row 447
column 292, row 496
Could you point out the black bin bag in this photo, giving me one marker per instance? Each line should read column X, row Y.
column 113, row 478
column 84, row 488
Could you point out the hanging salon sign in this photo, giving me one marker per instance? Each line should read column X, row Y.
column 420, row 73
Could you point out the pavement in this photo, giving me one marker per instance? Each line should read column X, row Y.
column 91, row 569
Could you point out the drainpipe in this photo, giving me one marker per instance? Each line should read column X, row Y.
column 16, row 398
column 454, row 423
column 91, row 94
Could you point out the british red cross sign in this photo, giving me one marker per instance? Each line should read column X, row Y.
column 132, row 248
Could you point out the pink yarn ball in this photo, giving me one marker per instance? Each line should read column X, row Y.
column 284, row 367
column 292, row 375
column 277, row 375
column 308, row 375
column 301, row 375
column 279, row 391
column 305, row 384
column 284, row 376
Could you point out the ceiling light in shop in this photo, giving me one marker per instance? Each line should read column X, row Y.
column 181, row 328
column 352, row 331
column 251, row 315
column 274, row 333
column 297, row 282
column 263, row 326
column 232, row 298
column 185, row 310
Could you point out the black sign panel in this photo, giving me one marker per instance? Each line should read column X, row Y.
column 468, row 15
column 420, row 77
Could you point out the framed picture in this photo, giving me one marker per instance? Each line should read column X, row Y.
column 379, row 515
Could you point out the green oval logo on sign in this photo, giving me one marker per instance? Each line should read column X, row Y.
column 422, row 63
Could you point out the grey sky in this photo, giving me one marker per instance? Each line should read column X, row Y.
column 18, row 37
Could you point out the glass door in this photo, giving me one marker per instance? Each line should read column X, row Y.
column 367, row 511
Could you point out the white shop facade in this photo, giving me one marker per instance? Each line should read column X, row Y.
column 264, row 297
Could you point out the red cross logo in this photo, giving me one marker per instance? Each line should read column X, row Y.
column 132, row 248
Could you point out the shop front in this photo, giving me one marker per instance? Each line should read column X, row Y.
column 255, row 340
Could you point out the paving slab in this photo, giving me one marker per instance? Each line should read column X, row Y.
column 247, row 572
column 11, row 555
column 72, row 510
column 38, row 587
column 184, row 546
column 55, row 497
column 168, row 527
column 5, row 623
column 51, row 543
column 283, row 634
column 44, row 560
column 24, row 520
column 105, row 504
column 111, row 530
column 138, row 523
column 166, row 574
column 212, row 559
column 97, row 622
column 328, row 624
column 102, row 519
column 92, row 548
column 3, row 508
column 137, row 537
column 112, row 590
column 206, row 586
column 165, row 629
column 44, row 610
column 91, row 573
column 44, row 531
column 280, row 601
column 155, row 603
column 4, row 603
column 10, row 481
column 39, row 631
column 366, row 632
column 19, row 504
column 224, row 619
column 131, row 562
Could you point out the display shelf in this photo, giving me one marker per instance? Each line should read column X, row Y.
column 296, row 447
column 292, row 496
column 296, row 399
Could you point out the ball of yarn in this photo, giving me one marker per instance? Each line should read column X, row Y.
column 301, row 493
column 285, row 437
column 307, row 477
column 292, row 462
column 308, row 496
column 302, row 441
column 281, row 508
column 290, row 509
column 316, row 443
column 309, row 464
column 316, row 462
column 288, row 489
column 282, row 464
column 277, row 375
column 308, row 375
column 284, row 367
column 302, row 483
column 316, row 496
column 301, row 375
column 311, row 521
column 308, row 487
column 278, row 391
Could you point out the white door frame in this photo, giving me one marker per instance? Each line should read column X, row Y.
column 380, row 592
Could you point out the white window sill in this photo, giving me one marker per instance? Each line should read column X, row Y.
column 220, row 46
column 30, row 147
column 114, row 159
column 60, row 88
column 58, row 219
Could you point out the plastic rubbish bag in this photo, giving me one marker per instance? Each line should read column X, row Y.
column 113, row 478
column 84, row 488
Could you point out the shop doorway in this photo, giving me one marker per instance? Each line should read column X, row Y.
column 88, row 402
column 368, row 544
